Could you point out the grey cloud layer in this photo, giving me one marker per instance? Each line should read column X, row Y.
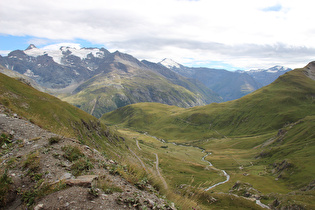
column 149, row 28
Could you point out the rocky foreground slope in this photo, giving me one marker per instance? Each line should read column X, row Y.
column 43, row 170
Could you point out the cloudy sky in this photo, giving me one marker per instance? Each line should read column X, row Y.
column 230, row 34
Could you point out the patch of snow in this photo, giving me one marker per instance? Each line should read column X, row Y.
column 54, row 47
column 56, row 51
column 34, row 52
column 76, row 73
column 84, row 52
column 29, row 73
column 274, row 69
column 169, row 63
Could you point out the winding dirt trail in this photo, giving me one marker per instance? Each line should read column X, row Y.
column 141, row 162
column 158, row 171
column 138, row 145
column 156, row 164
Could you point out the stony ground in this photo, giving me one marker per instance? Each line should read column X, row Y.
column 42, row 176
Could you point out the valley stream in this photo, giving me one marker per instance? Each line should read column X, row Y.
column 223, row 171
column 227, row 176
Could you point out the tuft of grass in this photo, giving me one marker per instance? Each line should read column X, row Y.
column 32, row 162
column 5, row 139
column 54, row 140
column 5, row 186
column 107, row 186
column 30, row 196
column 80, row 166
column 72, row 153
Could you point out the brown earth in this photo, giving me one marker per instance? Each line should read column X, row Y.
column 43, row 178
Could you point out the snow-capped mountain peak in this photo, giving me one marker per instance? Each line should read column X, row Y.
column 31, row 46
column 278, row 68
column 169, row 63
column 274, row 69
column 57, row 51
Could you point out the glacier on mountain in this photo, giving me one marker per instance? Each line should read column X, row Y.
column 57, row 54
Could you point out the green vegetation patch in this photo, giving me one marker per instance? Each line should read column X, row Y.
column 72, row 153
column 107, row 185
column 5, row 186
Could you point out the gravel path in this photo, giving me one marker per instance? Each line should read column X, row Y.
column 158, row 171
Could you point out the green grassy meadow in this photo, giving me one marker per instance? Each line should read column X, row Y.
column 264, row 140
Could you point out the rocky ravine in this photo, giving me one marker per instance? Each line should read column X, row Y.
column 40, row 173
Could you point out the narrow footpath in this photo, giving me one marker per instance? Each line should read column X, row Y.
column 158, row 171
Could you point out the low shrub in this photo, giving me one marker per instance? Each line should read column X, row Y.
column 54, row 140
column 80, row 166
column 5, row 186
column 72, row 153
column 32, row 162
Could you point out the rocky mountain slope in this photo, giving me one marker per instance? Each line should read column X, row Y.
column 46, row 171
column 128, row 81
column 229, row 85
column 98, row 81
column 55, row 156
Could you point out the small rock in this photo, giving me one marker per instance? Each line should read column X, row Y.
column 39, row 206
column 84, row 181
column 66, row 176
column 150, row 202
column 3, row 115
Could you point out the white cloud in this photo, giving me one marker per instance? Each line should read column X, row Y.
column 242, row 33
column 4, row 52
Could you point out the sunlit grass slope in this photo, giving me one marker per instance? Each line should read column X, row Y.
column 288, row 99
column 265, row 138
column 44, row 110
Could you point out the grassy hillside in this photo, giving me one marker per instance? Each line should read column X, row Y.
column 285, row 101
column 265, row 140
column 40, row 108
column 105, row 93
column 52, row 114
column 57, row 116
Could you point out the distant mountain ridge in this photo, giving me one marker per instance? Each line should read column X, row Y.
column 98, row 81
column 229, row 85
column 267, row 76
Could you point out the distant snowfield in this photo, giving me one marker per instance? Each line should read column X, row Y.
column 57, row 54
